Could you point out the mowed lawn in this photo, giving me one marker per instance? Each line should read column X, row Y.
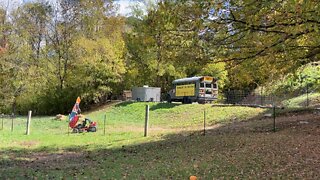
column 238, row 142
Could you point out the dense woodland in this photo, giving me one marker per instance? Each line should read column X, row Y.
column 52, row 52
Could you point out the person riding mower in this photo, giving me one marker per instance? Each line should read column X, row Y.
column 85, row 126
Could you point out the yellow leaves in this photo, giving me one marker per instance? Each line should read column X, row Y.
column 302, row 41
column 101, row 50
column 316, row 29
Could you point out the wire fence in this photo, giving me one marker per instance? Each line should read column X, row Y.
column 306, row 97
column 17, row 124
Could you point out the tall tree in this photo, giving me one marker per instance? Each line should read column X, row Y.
column 15, row 69
column 47, row 62
column 283, row 33
column 165, row 44
column 61, row 36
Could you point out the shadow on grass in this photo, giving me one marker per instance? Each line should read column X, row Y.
column 285, row 111
column 153, row 105
column 126, row 103
column 163, row 106
column 231, row 150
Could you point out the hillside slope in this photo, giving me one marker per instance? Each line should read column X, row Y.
column 238, row 144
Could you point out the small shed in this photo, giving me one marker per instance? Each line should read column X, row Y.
column 127, row 95
column 145, row 93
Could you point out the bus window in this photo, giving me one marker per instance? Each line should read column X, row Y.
column 201, row 85
column 208, row 91
column 208, row 85
column 214, row 86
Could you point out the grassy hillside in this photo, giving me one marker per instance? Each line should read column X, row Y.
column 311, row 100
column 172, row 115
column 124, row 125
column 175, row 149
column 291, row 90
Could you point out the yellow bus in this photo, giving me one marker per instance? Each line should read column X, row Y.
column 199, row 89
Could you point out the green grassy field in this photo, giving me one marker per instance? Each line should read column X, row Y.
column 174, row 149
column 124, row 125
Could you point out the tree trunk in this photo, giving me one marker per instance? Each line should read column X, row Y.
column 14, row 106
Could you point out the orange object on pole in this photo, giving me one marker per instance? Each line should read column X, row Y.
column 78, row 100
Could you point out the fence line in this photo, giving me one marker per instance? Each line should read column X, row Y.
column 299, row 98
column 259, row 98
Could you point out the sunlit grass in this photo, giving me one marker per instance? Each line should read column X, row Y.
column 174, row 149
column 124, row 124
column 303, row 100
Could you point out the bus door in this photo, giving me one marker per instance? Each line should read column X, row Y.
column 214, row 90
column 208, row 88
column 205, row 89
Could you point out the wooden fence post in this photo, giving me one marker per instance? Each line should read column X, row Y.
column 12, row 116
column 28, row 123
column 307, row 94
column 274, row 118
column 2, row 117
column 146, row 121
column 204, row 122
column 104, row 124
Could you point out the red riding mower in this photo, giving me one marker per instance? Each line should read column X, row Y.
column 86, row 126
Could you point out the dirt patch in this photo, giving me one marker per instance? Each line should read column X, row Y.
column 100, row 107
column 153, row 129
column 292, row 121
column 60, row 117
column 29, row 143
column 54, row 160
column 46, row 160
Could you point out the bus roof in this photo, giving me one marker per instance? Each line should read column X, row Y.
column 190, row 79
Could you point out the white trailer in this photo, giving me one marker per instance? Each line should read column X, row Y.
column 147, row 94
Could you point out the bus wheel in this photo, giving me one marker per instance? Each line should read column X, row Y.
column 169, row 99
column 185, row 100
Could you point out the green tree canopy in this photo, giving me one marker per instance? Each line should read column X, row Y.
column 281, row 33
